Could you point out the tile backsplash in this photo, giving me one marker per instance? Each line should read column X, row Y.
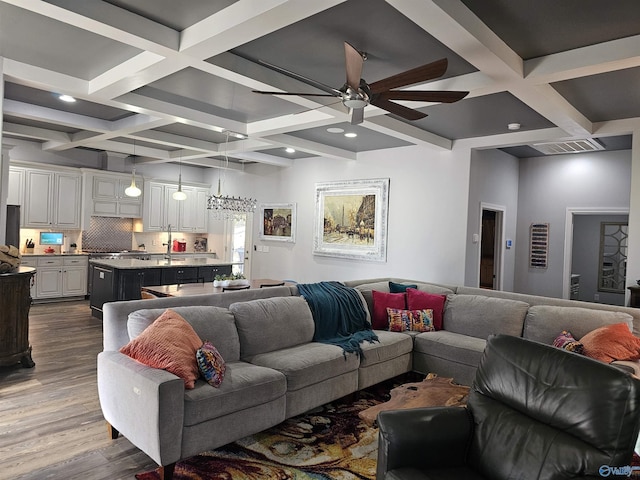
column 108, row 234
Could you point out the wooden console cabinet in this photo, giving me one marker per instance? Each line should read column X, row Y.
column 15, row 302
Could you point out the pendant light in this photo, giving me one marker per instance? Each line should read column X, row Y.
column 133, row 190
column 179, row 194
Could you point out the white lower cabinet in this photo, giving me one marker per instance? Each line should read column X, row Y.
column 58, row 276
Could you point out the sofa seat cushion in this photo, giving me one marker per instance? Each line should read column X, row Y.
column 545, row 322
column 450, row 346
column 308, row 364
column 390, row 345
column 244, row 386
column 480, row 316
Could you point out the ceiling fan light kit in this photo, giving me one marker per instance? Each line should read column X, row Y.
column 356, row 93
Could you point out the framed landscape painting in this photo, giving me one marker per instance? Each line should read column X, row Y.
column 278, row 222
column 351, row 219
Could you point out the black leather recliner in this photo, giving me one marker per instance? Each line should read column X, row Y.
column 534, row 412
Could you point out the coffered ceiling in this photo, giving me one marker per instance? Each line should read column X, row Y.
column 177, row 77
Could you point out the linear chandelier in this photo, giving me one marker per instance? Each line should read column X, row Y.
column 225, row 207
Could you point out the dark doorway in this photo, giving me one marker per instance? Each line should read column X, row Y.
column 488, row 250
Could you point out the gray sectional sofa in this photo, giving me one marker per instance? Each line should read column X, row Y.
column 276, row 371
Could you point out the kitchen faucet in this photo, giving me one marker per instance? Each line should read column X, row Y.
column 168, row 244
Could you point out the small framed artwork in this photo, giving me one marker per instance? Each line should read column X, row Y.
column 278, row 222
column 351, row 219
column 538, row 245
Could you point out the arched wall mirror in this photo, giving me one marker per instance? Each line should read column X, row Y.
column 612, row 264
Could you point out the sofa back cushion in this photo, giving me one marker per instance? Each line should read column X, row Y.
column 480, row 316
column 544, row 323
column 215, row 324
column 272, row 324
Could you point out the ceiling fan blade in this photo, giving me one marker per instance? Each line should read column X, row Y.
column 441, row 96
column 397, row 109
column 353, row 63
column 419, row 74
column 357, row 115
column 294, row 93
column 320, row 86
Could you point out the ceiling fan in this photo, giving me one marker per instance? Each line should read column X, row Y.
column 356, row 93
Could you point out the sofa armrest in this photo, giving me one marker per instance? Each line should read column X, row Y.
column 145, row 404
column 423, row 437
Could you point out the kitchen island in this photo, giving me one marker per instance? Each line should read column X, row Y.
column 123, row 278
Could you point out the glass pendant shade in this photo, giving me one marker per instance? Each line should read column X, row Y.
column 132, row 190
column 179, row 194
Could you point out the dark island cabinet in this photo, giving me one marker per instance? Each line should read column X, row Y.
column 171, row 276
column 15, row 303
column 110, row 284
column 129, row 282
column 208, row 273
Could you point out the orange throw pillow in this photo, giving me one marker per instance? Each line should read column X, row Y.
column 169, row 343
column 611, row 342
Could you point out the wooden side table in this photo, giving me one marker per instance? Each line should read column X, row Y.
column 15, row 303
column 634, row 299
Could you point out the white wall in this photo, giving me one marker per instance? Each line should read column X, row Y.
column 493, row 180
column 428, row 198
column 548, row 186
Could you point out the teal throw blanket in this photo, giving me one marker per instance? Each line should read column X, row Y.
column 339, row 315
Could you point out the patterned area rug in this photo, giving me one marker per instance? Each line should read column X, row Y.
column 330, row 442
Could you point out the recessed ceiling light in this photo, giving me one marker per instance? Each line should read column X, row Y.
column 67, row 98
column 513, row 126
column 351, row 134
column 335, row 130
column 290, row 150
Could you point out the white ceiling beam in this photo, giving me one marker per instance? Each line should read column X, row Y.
column 404, row 131
column 313, row 148
column 44, row 114
column 244, row 21
column 453, row 24
column 580, row 62
column 107, row 20
column 34, row 132
column 266, row 159
column 180, row 114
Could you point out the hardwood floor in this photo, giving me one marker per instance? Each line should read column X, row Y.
column 51, row 425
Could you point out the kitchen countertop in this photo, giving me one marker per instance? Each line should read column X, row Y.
column 53, row 254
column 130, row 263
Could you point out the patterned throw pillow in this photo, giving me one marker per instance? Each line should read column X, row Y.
column 211, row 364
column 410, row 320
column 566, row 341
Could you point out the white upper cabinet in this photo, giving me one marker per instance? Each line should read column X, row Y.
column 161, row 210
column 108, row 198
column 52, row 199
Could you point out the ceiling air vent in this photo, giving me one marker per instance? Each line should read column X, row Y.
column 573, row 146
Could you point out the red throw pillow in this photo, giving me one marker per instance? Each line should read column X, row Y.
column 169, row 343
column 611, row 342
column 417, row 300
column 382, row 300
